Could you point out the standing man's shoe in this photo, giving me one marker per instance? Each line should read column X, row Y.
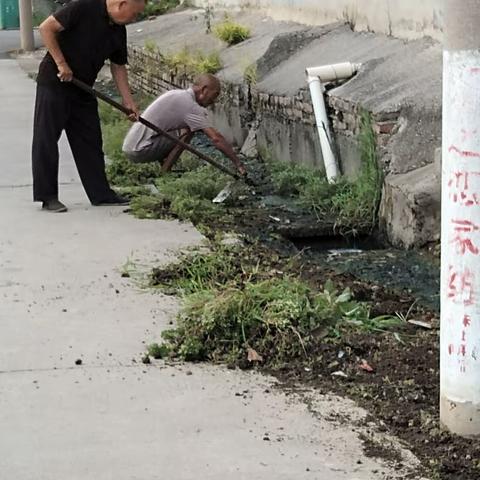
column 114, row 199
column 54, row 206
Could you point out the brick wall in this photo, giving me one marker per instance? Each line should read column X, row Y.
column 149, row 74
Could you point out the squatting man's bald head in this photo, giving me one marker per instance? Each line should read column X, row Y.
column 207, row 88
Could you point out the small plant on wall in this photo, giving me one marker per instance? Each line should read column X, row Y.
column 231, row 32
column 193, row 63
column 250, row 74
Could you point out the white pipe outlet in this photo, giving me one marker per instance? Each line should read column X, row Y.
column 316, row 77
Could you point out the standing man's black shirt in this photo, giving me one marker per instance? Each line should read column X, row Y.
column 88, row 39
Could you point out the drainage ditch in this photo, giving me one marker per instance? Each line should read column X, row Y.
column 415, row 272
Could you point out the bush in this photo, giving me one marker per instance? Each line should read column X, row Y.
column 158, row 7
column 193, row 63
column 231, row 32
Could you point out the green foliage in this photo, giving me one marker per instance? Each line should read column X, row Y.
column 210, row 63
column 150, row 46
column 158, row 7
column 233, row 304
column 197, row 271
column 203, row 183
column 193, row 63
column 150, row 206
column 250, row 74
column 124, row 173
column 113, row 139
column 158, row 351
column 290, row 179
column 351, row 204
column 231, row 32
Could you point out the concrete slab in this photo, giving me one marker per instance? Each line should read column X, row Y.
column 187, row 29
column 63, row 299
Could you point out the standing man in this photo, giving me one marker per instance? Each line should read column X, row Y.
column 181, row 112
column 79, row 38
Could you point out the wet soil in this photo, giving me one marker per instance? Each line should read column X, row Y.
column 402, row 392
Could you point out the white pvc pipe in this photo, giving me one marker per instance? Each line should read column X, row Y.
column 338, row 71
column 321, row 118
column 316, row 76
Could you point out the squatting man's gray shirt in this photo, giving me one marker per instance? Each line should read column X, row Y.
column 172, row 111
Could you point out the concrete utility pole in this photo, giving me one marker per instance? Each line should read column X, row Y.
column 26, row 25
column 460, row 282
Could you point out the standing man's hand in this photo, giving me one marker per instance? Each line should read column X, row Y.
column 132, row 106
column 65, row 73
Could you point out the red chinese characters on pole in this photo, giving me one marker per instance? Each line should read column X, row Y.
column 460, row 289
column 464, row 229
column 461, row 351
column 460, row 190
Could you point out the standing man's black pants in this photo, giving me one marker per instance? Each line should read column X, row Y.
column 64, row 107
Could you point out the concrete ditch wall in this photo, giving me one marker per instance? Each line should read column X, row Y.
column 284, row 124
column 399, row 84
column 404, row 19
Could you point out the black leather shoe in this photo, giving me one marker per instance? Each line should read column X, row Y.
column 114, row 199
column 54, row 206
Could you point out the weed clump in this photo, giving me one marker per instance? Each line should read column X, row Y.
column 250, row 74
column 158, row 7
column 352, row 205
column 234, row 307
column 231, row 32
column 198, row 271
column 193, row 63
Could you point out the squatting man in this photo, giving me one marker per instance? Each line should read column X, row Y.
column 179, row 112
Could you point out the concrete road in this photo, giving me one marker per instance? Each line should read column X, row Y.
column 63, row 300
column 10, row 40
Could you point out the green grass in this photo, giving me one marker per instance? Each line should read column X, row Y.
column 150, row 46
column 197, row 270
column 250, row 74
column 193, row 63
column 235, row 302
column 158, row 7
column 351, row 205
column 231, row 32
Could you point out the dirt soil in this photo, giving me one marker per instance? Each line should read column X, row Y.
column 402, row 392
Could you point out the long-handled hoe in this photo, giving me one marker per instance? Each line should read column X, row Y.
column 223, row 194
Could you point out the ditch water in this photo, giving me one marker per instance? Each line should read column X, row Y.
column 415, row 272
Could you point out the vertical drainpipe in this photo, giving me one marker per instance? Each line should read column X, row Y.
column 316, row 77
column 460, row 262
